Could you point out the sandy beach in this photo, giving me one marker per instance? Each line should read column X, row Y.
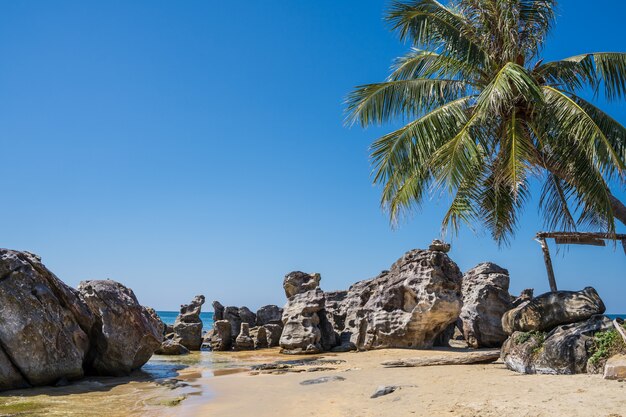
column 454, row 390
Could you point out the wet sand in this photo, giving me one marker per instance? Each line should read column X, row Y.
column 222, row 384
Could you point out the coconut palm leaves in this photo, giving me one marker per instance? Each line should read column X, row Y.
column 486, row 117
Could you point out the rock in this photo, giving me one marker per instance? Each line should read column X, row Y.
column 260, row 338
column 564, row 350
column 125, row 334
column 439, row 245
column 306, row 328
column 322, row 380
column 384, row 390
column 44, row 324
column 222, row 336
column 171, row 347
column 405, row 307
column 461, row 358
column 218, row 311
column 269, row 314
column 615, row 367
column 243, row 340
column 525, row 295
column 247, row 316
column 274, row 332
column 190, row 313
column 552, row 309
column 486, row 298
column 232, row 315
column 188, row 325
column 161, row 326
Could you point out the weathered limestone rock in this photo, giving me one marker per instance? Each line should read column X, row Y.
column 222, row 336
column 126, row 334
column 274, row 332
column 461, row 358
column 44, row 325
column 552, row 309
column 260, row 338
column 243, row 340
column 218, row 311
column 485, row 300
column 269, row 314
column 405, row 307
column 235, row 315
column 188, row 325
column 439, row 245
column 525, row 295
column 564, row 350
column 615, row 367
column 232, row 315
column 171, row 347
column 306, row 328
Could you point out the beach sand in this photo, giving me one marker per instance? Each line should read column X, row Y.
column 453, row 390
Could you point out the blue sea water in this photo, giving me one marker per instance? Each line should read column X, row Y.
column 168, row 317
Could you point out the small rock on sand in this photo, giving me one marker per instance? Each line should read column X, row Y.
column 384, row 390
column 322, row 380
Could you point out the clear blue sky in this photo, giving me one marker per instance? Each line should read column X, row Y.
column 199, row 147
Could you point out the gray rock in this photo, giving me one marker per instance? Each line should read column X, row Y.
column 322, row 380
column 188, row 325
column 218, row 311
column 44, row 325
column 485, row 300
column 552, row 309
column 247, row 316
column 243, row 340
column 274, row 332
column 384, row 390
column 439, row 245
column 171, row 347
column 405, row 307
column 525, row 295
column 260, row 338
column 269, row 314
column 232, row 315
column 222, row 336
column 306, row 328
column 564, row 350
column 126, row 334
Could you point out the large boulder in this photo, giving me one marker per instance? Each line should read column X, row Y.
column 405, row 307
column 306, row 328
column 171, row 347
column 243, row 340
column 269, row 314
column 273, row 331
column 125, row 333
column 564, row 350
column 188, row 324
column 552, row 309
column 485, row 300
column 44, row 325
column 221, row 339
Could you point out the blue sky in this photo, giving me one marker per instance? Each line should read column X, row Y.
column 199, row 147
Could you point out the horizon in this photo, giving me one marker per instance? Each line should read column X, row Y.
column 179, row 152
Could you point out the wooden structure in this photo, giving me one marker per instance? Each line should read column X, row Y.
column 572, row 238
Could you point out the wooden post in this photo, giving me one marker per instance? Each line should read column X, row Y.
column 548, row 261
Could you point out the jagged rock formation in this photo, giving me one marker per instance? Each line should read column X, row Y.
column 552, row 309
column 188, row 325
column 306, row 328
column 50, row 332
column 485, row 300
column 269, row 314
column 405, row 307
column 243, row 340
column 221, row 339
column 563, row 350
column 525, row 295
column 273, row 331
column 125, row 334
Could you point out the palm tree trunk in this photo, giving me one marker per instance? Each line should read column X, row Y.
column 619, row 209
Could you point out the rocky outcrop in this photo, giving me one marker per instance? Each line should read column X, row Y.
column 235, row 316
column 222, row 336
column 405, row 307
column 564, row 350
column 51, row 332
column 171, row 347
column 243, row 340
column 273, row 331
column 306, row 328
column 485, row 300
column 260, row 338
column 188, row 325
column 269, row 314
column 552, row 309
column 125, row 334
column 525, row 295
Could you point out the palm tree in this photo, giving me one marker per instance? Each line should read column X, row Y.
column 487, row 116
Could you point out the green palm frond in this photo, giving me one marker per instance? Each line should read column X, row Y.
column 425, row 64
column 554, row 204
column 377, row 103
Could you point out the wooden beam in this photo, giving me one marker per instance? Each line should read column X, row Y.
column 581, row 235
column 548, row 260
column 574, row 240
column 620, row 330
